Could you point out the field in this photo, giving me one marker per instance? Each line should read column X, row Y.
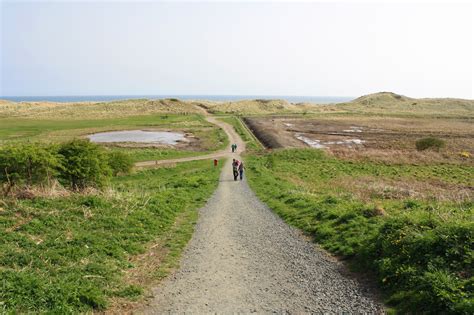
column 203, row 136
column 100, row 249
column 390, row 139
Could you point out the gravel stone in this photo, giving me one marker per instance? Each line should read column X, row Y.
column 243, row 258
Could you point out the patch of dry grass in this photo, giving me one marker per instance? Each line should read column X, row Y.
column 366, row 188
column 95, row 110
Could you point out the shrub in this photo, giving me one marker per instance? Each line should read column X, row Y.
column 429, row 143
column 27, row 164
column 120, row 163
column 84, row 164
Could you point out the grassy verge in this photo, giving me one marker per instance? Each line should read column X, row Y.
column 78, row 253
column 251, row 142
column 419, row 246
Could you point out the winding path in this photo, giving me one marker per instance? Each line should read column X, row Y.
column 231, row 134
column 243, row 258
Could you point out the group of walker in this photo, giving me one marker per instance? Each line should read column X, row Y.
column 238, row 169
column 237, row 166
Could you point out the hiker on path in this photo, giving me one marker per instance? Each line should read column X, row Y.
column 241, row 169
column 235, row 168
column 233, row 147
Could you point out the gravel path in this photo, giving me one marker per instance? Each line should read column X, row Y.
column 243, row 258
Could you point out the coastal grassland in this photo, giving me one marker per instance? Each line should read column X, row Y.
column 383, row 103
column 251, row 142
column 85, row 252
column 411, row 225
column 95, row 110
column 207, row 136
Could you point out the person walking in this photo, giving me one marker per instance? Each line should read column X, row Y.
column 233, row 147
column 235, row 168
column 241, row 169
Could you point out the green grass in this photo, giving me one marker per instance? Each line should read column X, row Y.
column 71, row 254
column 251, row 142
column 210, row 137
column 419, row 249
column 27, row 129
column 153, row 154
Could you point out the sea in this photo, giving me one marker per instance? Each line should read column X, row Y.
column 218, row 98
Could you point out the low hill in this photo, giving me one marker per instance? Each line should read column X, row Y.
column 395, row 104
column 90, row 110
column 258, row 106
column 383, row 103
column 381, row 97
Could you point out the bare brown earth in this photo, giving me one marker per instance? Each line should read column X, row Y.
column 371, row 136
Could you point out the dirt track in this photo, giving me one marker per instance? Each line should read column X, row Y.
column 243, row 258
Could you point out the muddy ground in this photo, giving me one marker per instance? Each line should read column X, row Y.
column 372, row 135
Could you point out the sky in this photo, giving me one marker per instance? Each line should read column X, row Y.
column 236, row 48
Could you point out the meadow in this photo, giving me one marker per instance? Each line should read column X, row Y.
column 208, row 137
column 97, row 250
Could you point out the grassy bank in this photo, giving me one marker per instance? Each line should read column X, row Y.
column 84, row 252
column 251, row 142
column 410, row 225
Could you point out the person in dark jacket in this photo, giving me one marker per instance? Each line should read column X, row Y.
column 235, row 168
column 241, row 170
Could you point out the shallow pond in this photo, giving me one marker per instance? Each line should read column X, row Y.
column 141, row 136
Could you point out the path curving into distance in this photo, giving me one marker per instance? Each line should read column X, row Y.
column 231, row 134
column 242, row 258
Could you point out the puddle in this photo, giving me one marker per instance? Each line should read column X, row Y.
column 140, row 136
column 318, row 144
column 348, row 142
column 312, row 143
column 288, row 124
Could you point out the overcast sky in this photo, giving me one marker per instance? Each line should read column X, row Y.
column 325, row 49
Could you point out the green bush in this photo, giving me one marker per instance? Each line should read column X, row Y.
column 426, row 263
column 120, row 163
column 27, row 164
column 429, row 143
column 84, row 164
